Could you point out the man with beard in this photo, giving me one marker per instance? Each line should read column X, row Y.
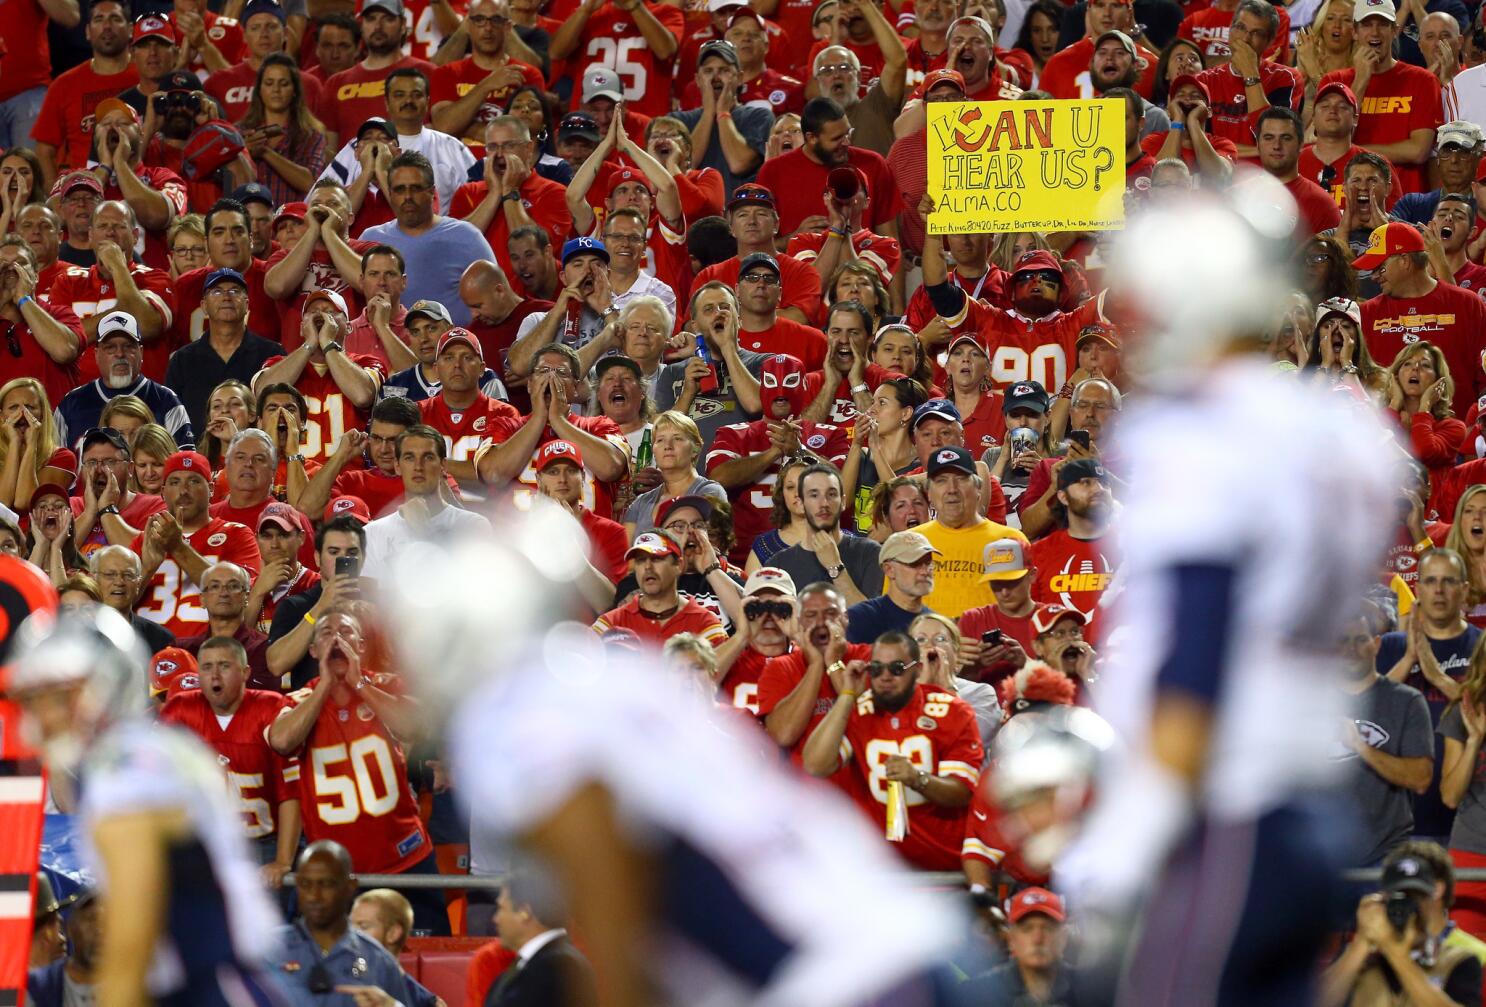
column 1035, row 339
column 1058, row 641
column 768, row 608
column 436, row 248
column 45, row 341
column 658, row 611
column 907, row 560
column 342, row 387
column 41, row 228
column 284, row 539
column 1277, row 136
column 109, row 512
column 427, row 321
column 119, row 356
column 116, row 281
column 177, row 546
column 1063, row 76
column 1401, row 107
column 177, row 110
column 231, row 717
column 466, row 417
column 1075, row 564
column 1390, row 738
column 746, row 457
column 229, row 246
column 1325, row 161
column 321, row 949
column 877, row 726
column 469, row 94
column 798, row 177
column 497, row 308
column 753, row 219
column 1248, row 83
column 250, row 463
column 227, row 351
column 560, row 477
column 532, row 262
column 1413, row 303
column 959, row 531
column 224, row 595
column 63, row 129
column 849, row 563
column 1116, row 63
column 1445, row 238
column 322, row 257
column 358, row 93
column 74, row 978
column 511, row 195
column 733, row 374
column 1094, row 405
column 761, row 328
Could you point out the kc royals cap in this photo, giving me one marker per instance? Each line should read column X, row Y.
column 583, row 246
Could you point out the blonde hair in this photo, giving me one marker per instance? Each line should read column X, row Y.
column 393, row 907
column 46, row 440
column 685, row 424
column 1441, row 369
column 1455, row 541
column 153, row 440
column 945, row 622
column 131, row 406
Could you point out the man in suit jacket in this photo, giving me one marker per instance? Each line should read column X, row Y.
column 548, row 970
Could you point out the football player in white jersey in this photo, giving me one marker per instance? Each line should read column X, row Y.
column 185, row 921
column 1257, row 507
column 696, row 869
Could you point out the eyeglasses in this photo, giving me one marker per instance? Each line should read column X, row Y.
column 624, row 239
column 765, row 279
column 821, row 71
column 684, row 526
column 1098, row 407
column 485, row 21
column 509, row 147
column 93, row 463
column 753, row 610
column 897, row 669
column 941, row 638
column 1456, row 154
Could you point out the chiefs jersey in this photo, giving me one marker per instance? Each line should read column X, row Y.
column 936, row 732
column 353, row 786
column 468, row 430
column 985, row 842
column 1027, row 349
column 843, row 407
column 171, row 598
column 153, row 251
column 739, row 688
column 87, row 293
column 453, row 81
column 320, row 274
column 611, row 38
column 1073, row 573
column 880, row 252
column 753, row 504
column 692, row 617
column 331, row 414
column 261, row 778
column 597, row 496
column 423, row 35
column 224, row 33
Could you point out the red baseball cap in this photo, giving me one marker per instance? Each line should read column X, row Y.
column 286, row 517
column 944, row 76
column 1337, row 87
column 1035, row 900
column 352, row 505
column 1045, row 617
column 189, row 461
column 654, row 543
column 290, row 211
column 558, row 451
column 459, row 334
column 1184, row 79
column 626, row 175
column 68, row 181
column 172, row 672
column 1393, row 238
column 108, row 105
column 152, row 26
column 1037, row 260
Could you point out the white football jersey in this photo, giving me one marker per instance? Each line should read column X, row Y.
column 217, row 900
column 801, row 869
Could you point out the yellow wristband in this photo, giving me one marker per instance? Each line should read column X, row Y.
column 309, row 619
column 1424, row 543
column 848, row 692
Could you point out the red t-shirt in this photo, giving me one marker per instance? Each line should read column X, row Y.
column 453, row 81
column 690, row 618
column 1451, row 318
column 779, row 678
column 497, row 339
column 28, row 63
column 798, row 184
column 597, row 496
column 357, row 94
column 935, row 731
column 1232, row 119
column 799, row 282
column 786, row 335
column 1066, row 74
column 354, row 788
column 753, row 504
column 1073, row 573
column 380, row 491
column 171, row 598
column 1405, row 99
column 607, row 545
column 739, row 687
column 320, row 274
column 467, row 430
column 984, row 841
column 1331, row 176
column 331, row 414
column 233, row 89
column 262, row 778
column 224, row 32
column 610, row 37
column 880, row 252
column 976, row 622
column 88, row 294
column 1318, row 211
column 66, row 117
column 1224, row 148
column 793, row 18
column 190, row 319
column 1209, row 29
column 26, row 358
column 701, row 193
column 545, row 202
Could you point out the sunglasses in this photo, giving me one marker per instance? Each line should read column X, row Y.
column 758, row 609
column 897, row 668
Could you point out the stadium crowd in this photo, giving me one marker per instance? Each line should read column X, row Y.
column 287, row 288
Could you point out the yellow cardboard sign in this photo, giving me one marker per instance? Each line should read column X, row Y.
column 1026, row 166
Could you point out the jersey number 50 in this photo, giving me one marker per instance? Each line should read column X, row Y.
column 358, row 791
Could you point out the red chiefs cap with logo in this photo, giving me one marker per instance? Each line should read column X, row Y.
column 654, row 543
column 152, row 26
column 172, row 672
column 1035, row 900
column 627, row 175
column 558, row 451
column 352, row 505
column 1045, row 617
column 460, row 335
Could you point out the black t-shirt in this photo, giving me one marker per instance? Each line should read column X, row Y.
column 1462, row 985
column 288, row 615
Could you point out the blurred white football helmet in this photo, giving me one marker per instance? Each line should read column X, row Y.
column 1198, row 272
column 1051, row 756
column 94, row 650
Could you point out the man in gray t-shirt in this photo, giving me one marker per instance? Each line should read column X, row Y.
column 848, row 562
column 678, row 385
column 1390, row 745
